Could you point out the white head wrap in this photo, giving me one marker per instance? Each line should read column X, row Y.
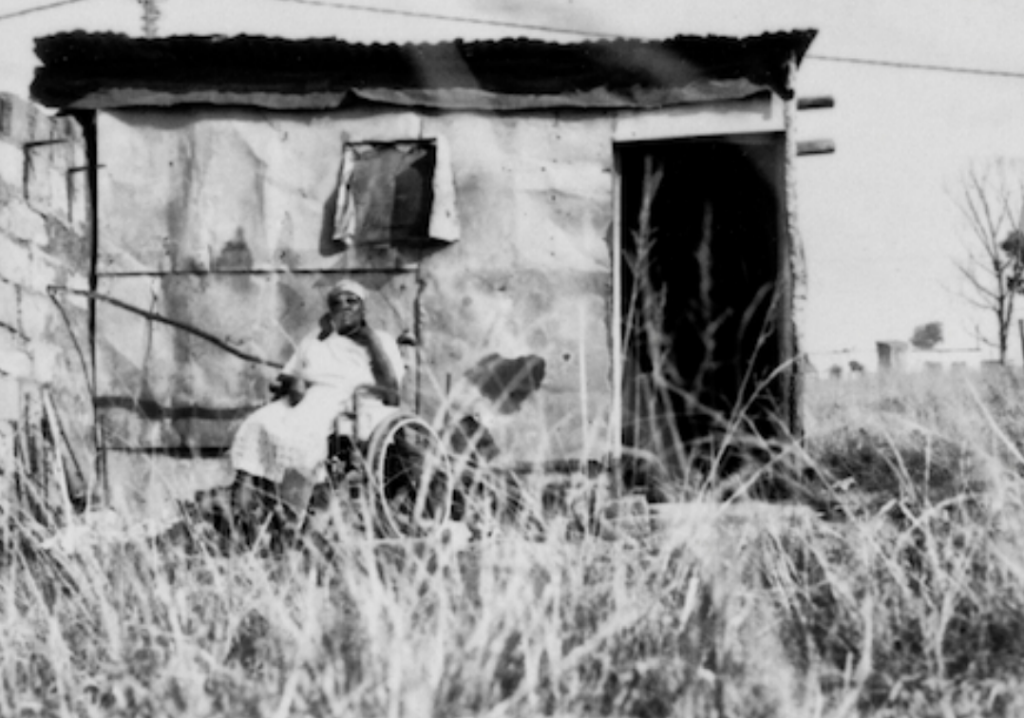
column 350, row 286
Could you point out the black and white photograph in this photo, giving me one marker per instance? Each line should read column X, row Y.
column 437, row 358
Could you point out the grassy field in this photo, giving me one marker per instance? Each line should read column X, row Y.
column 900, row 594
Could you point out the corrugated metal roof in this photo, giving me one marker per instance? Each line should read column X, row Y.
column 109, row 70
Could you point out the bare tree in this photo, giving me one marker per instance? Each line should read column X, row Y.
column 991, row 199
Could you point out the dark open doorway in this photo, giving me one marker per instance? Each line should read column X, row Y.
column 705, row 299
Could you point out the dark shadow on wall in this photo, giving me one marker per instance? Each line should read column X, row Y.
column 151, row 409
column 507, row 382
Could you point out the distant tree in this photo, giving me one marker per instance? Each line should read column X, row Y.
column 926, row 336
column 991, row 199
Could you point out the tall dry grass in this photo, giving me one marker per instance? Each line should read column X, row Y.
column 904, row 595
column 891, row 584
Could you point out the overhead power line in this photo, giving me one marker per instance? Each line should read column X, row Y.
column 356, row 7
column 597, row 33
column 452, row 18
column 39, row 8
column 917, row 66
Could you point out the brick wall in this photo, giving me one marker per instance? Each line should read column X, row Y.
column 45, row 240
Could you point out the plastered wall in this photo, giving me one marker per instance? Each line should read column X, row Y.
column 222, row 219
column 44, row 241
column 531, row 277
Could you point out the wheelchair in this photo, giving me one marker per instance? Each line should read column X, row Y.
column 397, row 477
column 408, row 478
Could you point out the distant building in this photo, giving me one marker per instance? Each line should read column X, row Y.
column 892, row 355
column 901, row 356
column 947, row 360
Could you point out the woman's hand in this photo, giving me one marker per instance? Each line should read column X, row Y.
column 297, row 390
column 281, row 385
column 363, row 336
column 326, row 327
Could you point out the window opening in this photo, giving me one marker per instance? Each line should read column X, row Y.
column 387, row 194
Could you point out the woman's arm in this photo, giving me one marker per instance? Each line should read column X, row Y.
column 385, row 375
column 290, row 382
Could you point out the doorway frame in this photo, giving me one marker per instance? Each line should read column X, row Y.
column 766, row 114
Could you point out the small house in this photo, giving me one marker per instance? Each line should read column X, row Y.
column 591, row 245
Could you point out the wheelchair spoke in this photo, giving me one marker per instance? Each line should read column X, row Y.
column 413, row 484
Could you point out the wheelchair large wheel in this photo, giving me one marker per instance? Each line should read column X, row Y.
column 410, row 478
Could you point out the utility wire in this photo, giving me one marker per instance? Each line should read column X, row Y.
column 39, row 8
column 596, row 33
column 953, row 69
column 452, row 18
column 917, row 66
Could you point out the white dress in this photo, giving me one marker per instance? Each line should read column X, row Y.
column 280, row 437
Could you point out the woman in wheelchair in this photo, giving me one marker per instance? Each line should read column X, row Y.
column 282, row 448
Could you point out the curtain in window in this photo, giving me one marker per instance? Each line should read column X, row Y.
column 396, row 193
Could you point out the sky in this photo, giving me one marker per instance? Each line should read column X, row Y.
column 878, row 218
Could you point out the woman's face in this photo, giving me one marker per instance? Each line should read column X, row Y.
column 346, row 310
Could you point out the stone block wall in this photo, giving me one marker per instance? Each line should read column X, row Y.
column 46, row 423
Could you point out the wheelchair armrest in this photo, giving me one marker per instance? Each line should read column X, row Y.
column 389, row 397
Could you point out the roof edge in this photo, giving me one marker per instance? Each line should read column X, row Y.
column 80, row 69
